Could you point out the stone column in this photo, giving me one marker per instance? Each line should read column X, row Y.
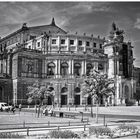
column 69, row 69
column 59, row 43
column 85, row 67
column 8, row 64
column 70, row 94
column 117, row 67
column 58, row 67
column 49, row 44
column 111, row 68
column 82, row 68
column 68, row 44
column 56, row 97
column 15, row 86
column 72, row 68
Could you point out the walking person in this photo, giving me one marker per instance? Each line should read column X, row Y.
column 20, row 106
column 13, row 109
column 45, row 111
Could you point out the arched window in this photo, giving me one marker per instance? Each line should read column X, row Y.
column 77, row 68
column 77, row 90
column 89, row 67
column 64, row 69
column 51, row 68
column 64, row 89
column 126, row 93
column 64, row 96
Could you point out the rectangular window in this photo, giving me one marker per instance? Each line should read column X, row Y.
column 87, row 43
column 62, row 41
column 30, row 47
column 94, row 44
column 100, row 46
column 53, row 41
column 71, row 42
column 80, row 43
column 38, row 44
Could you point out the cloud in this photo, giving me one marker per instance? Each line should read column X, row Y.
column 86, row 7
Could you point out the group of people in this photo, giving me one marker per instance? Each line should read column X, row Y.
column 13, row 108
column 47, row 111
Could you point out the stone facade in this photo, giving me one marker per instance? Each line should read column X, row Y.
column 136, row 75
column 48, row 54
column 120, row 66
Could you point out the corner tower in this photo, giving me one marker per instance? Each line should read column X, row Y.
column 120, row 66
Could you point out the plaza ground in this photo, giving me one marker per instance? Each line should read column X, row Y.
column 113, row 114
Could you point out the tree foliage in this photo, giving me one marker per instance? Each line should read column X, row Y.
column 97, row 84
column 40, row 91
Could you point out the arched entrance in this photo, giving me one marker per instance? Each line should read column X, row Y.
column 126, row 93
column 89, row 100
column 64, row 96
column 1, row 94
column 77, row 96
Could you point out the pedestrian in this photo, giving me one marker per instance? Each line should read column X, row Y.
column 45, row 111
column 13, row 109
column 20, row 106
column 50, row 112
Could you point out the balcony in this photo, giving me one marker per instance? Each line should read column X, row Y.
column 54, row 47
column 81, row 48
column 72, row 47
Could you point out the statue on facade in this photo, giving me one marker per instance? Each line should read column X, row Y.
column 116, row 35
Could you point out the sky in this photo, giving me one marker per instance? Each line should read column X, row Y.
column 82, row 17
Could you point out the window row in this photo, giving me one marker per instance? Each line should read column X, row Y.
column 72, row 42
column 77, row 68
column 34, row 66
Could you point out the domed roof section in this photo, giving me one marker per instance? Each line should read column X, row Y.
column 49, row 29
column 38, row 30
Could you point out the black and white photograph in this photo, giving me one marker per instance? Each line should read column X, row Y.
column 69, row 70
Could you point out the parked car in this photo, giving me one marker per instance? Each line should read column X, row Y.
column 4, row 106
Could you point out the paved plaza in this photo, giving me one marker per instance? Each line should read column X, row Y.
column 116, row 110
column 28, row 115
column 22, row 119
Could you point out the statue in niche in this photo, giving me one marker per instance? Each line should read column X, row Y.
column 30, row 66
